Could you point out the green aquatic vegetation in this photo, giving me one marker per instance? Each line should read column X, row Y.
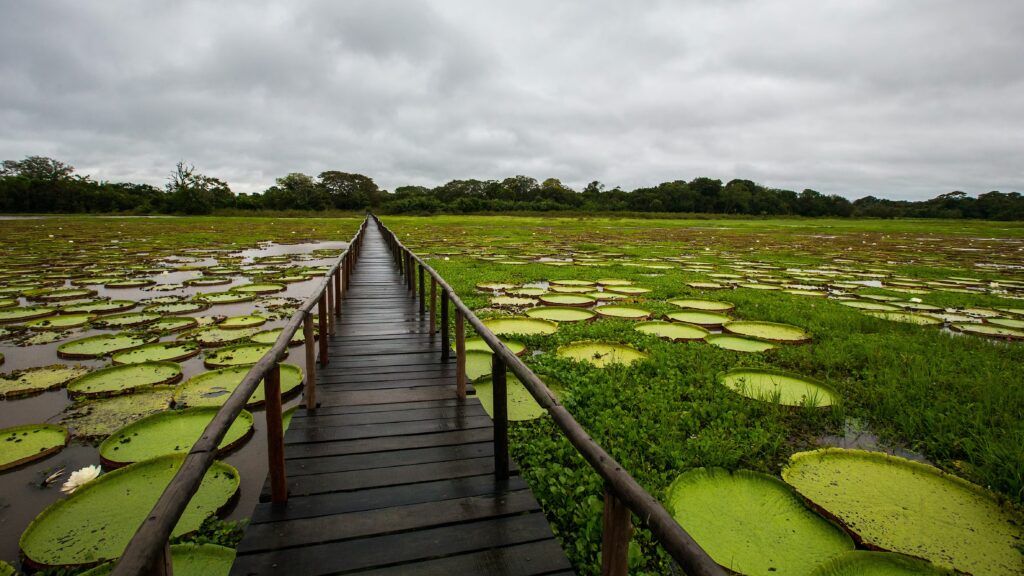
column 771, row 331
column 98, row 418
column 560, row 313
column 128, row 320
column 24, row 313
column 867, row 563
column 100, row 306
column 779, row 387
column 738, row 343
column 239, row 355
column 22, row 444
column 906, row 317
column 175, row 308
column 520, row 404
column 188, row 559
column 238, row 322
column 521, row 326
column 102, row 345
column 170, row 432
column 226, row 297
column 988, row 330
column 264, row 288
column 96, row 522
column 157, row 352
column 566, row 300
column 700, row 318
column 707, row 305
column 271, row 336
column 477, row 343
column 61, row 322
column 169, row 324
column 123, row 379
column 37, row 380
column 624, row 312
column 675, row 331
column 213, row 388
column 601, row 354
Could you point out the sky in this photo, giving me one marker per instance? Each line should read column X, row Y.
column 900, row 99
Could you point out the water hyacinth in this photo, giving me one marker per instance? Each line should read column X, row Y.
column 79, row 478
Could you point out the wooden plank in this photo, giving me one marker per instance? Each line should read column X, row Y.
column 322, row 449
column 542, row 557
column 300, row 435
column 389, row 395
column 429, row 413
column 389, row 458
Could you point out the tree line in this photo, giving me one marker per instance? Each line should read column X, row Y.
column 44, row 185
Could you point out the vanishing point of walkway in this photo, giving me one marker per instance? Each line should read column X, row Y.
column 392, row 474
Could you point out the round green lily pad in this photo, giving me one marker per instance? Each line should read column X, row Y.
column 7, row 570
column 613, row 282
column 738, row 343
column 478, row 363
column 753, row 524
column 770, row 331
column 62, row 322
column 226, row 297
column 989, row 330
column 707, row 305
column 494, row 286
column 906, row 317
column 512, row 301
column 156, row 352
column 631, row 290
column 236, row 355
column 11, row 315
column 1013, row 323
column 176, row 308
column 97, row 418
column 8, row 303
column 51, row 295
column 128, row 320
column 213, row 336
column 554, row 289
column 607, row 296
column 700, row 318
column 264, row 288
column 130, row 283
column 170, row 432
column 189, row 559
column 868, row 563
column 98, row 346
column 96, row 522
column 101, row 306
column 560, row 313
column 526, row 292
column 271, row 336
column 566, row 300
column 213, row 388
column 520, row 404
column 124, row 379
column 238, row 322
column 716, row 285
column 573, row 282
column 207, row 281
column 23, row 444
column 895, row 504
column 524, row 326
column 601, row 354
column 35, row 380
column 869, row 305
column 477, row 343
column 623, row 312
column 675, row 331
column 173, row 324
column 779, row 387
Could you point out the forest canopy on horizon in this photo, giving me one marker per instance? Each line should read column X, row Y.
column 39, row 185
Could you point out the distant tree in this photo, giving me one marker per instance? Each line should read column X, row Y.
column 303, row 192
column 37, row 168
column 193, row 193
column 347, row 191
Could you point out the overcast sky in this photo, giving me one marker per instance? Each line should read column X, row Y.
column 902, row 99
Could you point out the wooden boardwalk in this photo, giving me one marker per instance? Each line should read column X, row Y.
column 392, row 474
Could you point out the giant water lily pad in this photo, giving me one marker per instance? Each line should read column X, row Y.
column 188, row 559
column 601, row 354
column 512, row 301
column 213, row 388
column 675, row 331
column 478, row 363
column 97, row 418
column 630, row 290
column 98, row 346
column 173, row 324
column 520, row 404
column 738, row 343
column 239, row 355
column 176, row 308
column 126, row 320
column 700, row 318
column 157, row 352
column 561, row 313
column 271, row 336
column 124, row 379
column 624, row 312
column 96, row 522
column 238, row 322
column 170, row 432
column 35, row 380
column 566, row 300
column 100, row 306
column 779, row 387
column 1014, row 323
column 264, row 288
column 869, row 305
column 477, row 343
column 752, row 523
column 62, row 322
column 22, row 444
column 524, row 326
column 895, row 504
column 906, row 317
column 989, row 330
column 226, row 297
column 706, row 305
column 868, row 563
column 768, row 331
column 10, row 315
column 213, row 336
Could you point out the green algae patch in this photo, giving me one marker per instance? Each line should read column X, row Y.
column 124, row 379
column 675, row 331
column 706, row 305
column 868, row 563
column 157, row 352
column 906, row 318
column 622, row 312
column 561, row 313
column 738, row 343
column 12, row 315
column 752, row 523
column 988, row 330
column 102, row 345
column 771, row 331
column 213, row 388
column 170, row 432
column 242, row 354
column 62, row 322
column 566, row 300
column 96, row 522
column 37, row 380
column 601, row 354
column 521, row 405
column 97, row 418
column 700, row 318
column 188, row 559
column 238, row 322
column 524, row 326
column 891, row 503
column 22, row 444
column 477, row 343
column 779, row 387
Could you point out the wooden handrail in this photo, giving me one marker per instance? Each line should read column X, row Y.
column 620, row 486
column 146, row 552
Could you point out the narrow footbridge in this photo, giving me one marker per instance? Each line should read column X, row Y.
column 391, row 465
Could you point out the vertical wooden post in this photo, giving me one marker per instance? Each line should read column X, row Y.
column 411, row 276
column 331, row 297
column 337, row 291
column 460, row 355
column 310, row 345
column 500, row 404
column 433, row 306
column 445, row 352
column 162, row 563
column 423, row 293
column 275, row 434
column 616, row 531
column 321, row 307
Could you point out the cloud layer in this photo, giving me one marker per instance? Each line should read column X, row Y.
column 897, row 99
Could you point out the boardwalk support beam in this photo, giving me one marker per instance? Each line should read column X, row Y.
column 460, row 355
column 500, row 405
column 275, row 435
column 445, row 346
column 616, row 532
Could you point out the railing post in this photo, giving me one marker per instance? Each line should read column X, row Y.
column 423, row 293
column 162, row 565
column 460, row 355
column 329, row 294
column 616, row 531
column 275, row 434
column 337, row 291
column 410, row 275
column 321, row 307
column 500, row 404
column 310, row 345
column 445, row 352
column 433, row 306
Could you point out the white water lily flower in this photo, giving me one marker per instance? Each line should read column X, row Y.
column 915, row 300
column 79, row 478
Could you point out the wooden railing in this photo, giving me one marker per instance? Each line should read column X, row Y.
column 623, row 496
column 148, row 552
